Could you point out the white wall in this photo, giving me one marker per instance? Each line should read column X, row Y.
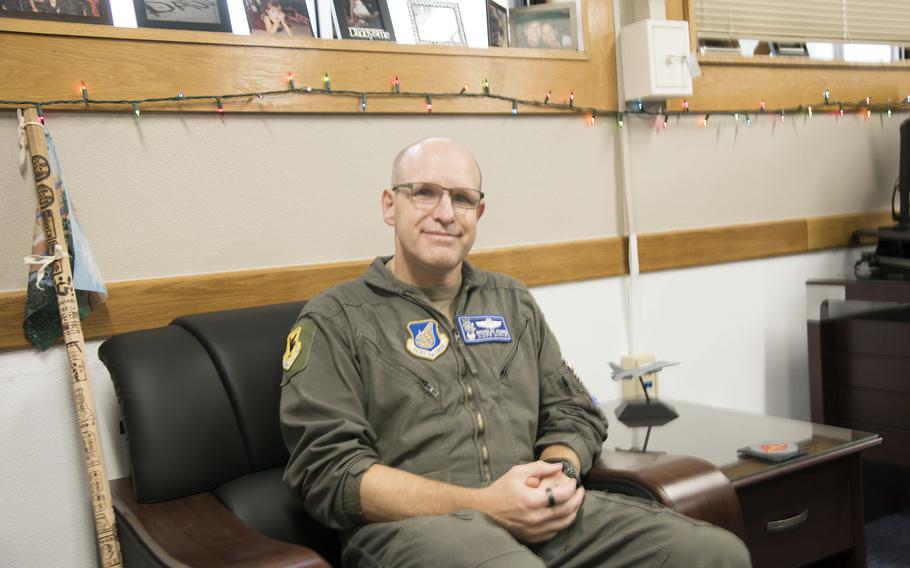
column 192, row 194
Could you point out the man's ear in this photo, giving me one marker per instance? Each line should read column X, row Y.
column 480, row 209
column 387, row 201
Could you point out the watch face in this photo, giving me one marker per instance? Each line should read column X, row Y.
column 569, row 469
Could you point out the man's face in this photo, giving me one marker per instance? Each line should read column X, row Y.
column 432, row 240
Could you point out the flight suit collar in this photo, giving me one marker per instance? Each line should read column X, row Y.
column 378, row 276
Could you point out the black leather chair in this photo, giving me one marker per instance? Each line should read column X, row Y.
column 199, row 404
column 199, row 401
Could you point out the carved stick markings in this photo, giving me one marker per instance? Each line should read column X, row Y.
column 49, row 199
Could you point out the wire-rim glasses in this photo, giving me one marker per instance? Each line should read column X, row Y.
column 427, row 193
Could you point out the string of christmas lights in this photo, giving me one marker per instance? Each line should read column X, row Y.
column 866, row 107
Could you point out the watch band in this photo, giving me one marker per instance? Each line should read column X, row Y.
column 568, row 468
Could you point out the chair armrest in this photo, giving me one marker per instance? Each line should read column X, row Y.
column 199, row 531
column 688, row 485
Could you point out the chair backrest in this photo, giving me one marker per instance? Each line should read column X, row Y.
column 199, row 398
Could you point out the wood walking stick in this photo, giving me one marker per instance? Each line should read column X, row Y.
column 49, row 201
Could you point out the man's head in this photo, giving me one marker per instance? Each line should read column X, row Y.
column 432, row 239
column 532, row 33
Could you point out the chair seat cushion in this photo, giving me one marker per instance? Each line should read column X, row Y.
column 262, row 501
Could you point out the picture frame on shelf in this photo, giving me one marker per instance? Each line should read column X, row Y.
column 364, row 19
column 280, row 18
column 437, row 22
column 497, row 24
column 79, row 11
column 545, row 26
column 199, row 15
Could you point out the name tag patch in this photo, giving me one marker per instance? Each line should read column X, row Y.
column 484, row 328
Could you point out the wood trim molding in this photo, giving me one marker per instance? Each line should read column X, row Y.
column 119, row 64
column 698, row 247
column 148, row 303
column 837, row 230
column 731, row 85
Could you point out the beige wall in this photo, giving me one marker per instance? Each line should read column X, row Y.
column 189, row 194
column 726, row 173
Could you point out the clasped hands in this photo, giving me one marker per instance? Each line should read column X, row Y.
column 519, row 501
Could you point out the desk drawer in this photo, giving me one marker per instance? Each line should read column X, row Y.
column 800, row 517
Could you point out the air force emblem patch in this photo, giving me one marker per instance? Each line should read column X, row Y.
column 297, row 349
column 292, row 350
column 426, row 341
column 484, row 329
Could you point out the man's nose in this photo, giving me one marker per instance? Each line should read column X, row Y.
column 444, row 212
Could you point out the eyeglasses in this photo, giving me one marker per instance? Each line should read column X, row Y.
column 430, row 193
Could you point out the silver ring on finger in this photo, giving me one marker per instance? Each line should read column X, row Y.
column 551, row 500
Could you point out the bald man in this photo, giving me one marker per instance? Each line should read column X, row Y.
column 430, row 417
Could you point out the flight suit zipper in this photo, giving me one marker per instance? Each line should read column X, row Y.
column 463, row 359
column 510, row 358
column 425, row 385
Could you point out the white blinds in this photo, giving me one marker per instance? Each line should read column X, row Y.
column 880, row 21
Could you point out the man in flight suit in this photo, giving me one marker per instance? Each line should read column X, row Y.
column 431, row 418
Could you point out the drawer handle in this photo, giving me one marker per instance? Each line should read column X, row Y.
column 788, row 523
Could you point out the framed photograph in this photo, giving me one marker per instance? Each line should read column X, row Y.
column 497, row 25
column 547, row 26
column 201, row 15
column 284, row 18
column 364, row 19
column 436, row 22
column 82, row 11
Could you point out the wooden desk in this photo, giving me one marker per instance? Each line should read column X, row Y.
column 793, row 513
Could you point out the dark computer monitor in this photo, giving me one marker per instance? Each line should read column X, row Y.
column 902, row 216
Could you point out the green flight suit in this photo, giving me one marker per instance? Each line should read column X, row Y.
column 375, row 374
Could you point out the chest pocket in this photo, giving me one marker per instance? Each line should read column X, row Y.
column 404, row 406
column 519, row 392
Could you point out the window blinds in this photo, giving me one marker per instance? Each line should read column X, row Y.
column 877, row 21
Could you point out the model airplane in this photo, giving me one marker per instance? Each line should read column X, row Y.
column 620, row 373
column 648, row 412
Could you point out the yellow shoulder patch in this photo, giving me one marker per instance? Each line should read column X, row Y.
column 297, row 350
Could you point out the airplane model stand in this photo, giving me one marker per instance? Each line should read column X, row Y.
column 646, row 412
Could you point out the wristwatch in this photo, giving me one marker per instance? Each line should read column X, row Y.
column 568, row 468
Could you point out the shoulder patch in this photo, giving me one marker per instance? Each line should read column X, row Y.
column 297, row 350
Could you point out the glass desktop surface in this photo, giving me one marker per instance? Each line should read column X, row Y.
column 714, row 434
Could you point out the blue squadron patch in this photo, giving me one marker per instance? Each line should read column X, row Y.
column 484, row 329
column 426, row 341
